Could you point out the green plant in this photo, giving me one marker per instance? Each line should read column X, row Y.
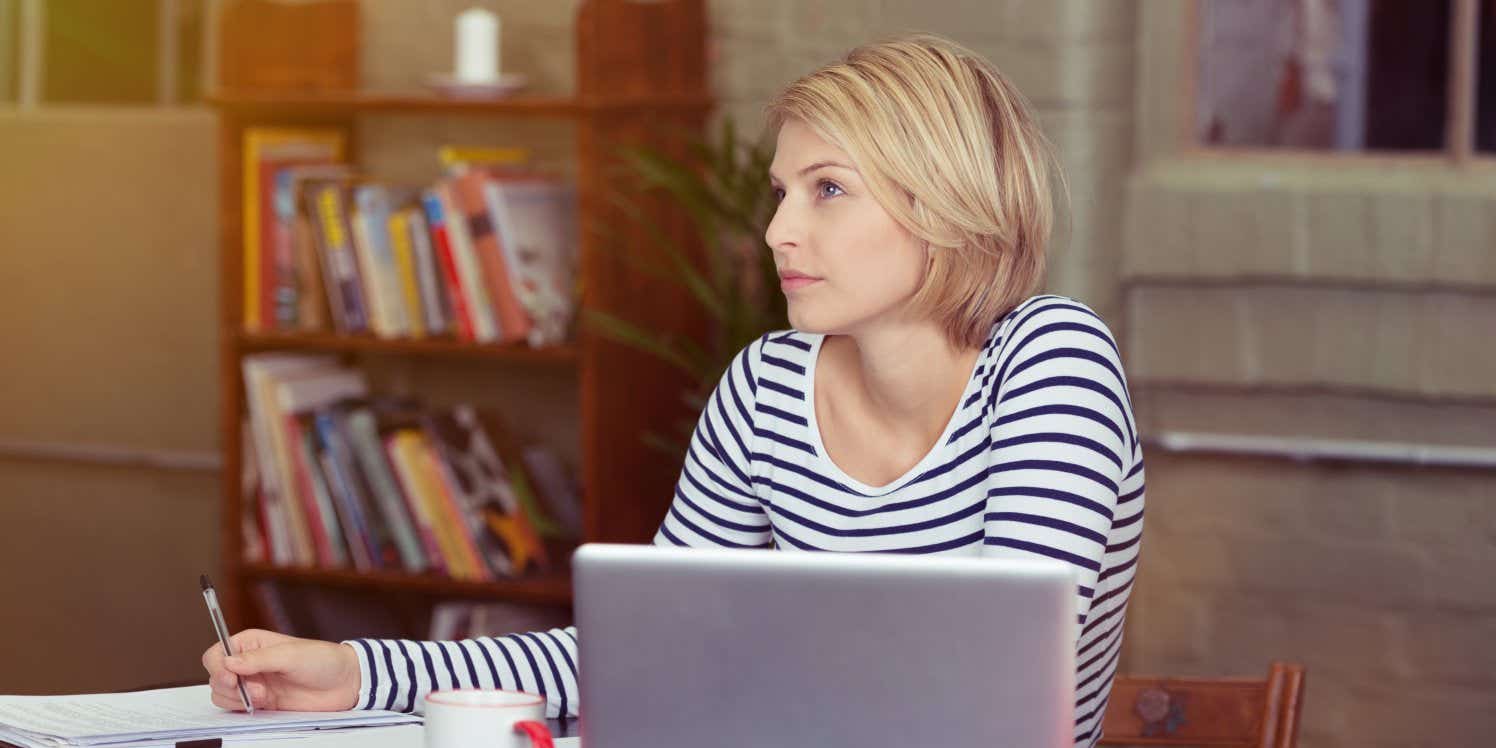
column 724, row 188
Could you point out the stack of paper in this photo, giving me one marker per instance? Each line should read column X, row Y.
column 162, row 717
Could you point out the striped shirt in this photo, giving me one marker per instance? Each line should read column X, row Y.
column 1040, row 458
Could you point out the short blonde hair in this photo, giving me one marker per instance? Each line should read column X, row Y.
column 953, row 152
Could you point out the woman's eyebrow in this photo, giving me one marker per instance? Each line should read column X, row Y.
column 818, row 165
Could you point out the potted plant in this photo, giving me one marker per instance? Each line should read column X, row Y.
column 724, row 188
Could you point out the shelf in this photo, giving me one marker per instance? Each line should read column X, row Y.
column 565, row 355
column 546, row 590
column 418, row 102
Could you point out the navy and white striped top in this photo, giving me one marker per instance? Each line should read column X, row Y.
column 1040, row 458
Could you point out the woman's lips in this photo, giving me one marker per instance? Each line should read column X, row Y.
column 795, row 281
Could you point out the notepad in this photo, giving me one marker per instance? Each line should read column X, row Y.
column 123, row 720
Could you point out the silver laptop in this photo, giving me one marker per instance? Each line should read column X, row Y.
column 698, row 648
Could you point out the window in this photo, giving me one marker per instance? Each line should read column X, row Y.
column 1346, row 75
column 86, row 52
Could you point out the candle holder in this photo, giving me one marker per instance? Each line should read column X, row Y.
column 475, row 60
column 505, row 84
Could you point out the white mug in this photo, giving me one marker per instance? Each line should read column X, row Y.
column 486, row 718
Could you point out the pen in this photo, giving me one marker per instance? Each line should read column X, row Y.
column 216, row 613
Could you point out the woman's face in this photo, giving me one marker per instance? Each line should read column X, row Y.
column 843, row 261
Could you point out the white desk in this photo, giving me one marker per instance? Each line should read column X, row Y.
column 400, row 736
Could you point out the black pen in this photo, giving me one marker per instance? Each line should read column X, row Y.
column 216, row 613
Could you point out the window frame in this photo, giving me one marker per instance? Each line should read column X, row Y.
column 1459, row 117
column 24, row 84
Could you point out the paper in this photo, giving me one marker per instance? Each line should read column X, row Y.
column 163, row 715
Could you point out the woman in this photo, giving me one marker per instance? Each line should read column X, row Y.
column 924, row 402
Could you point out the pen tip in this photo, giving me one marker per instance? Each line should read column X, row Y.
column 203, row 579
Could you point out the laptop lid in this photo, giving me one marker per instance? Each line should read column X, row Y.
column 682, row 648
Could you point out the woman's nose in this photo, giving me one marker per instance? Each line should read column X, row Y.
column 782, row 232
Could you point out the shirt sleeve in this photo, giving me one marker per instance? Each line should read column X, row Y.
column 396, row 674
column 714, row 505
column 1062, row 440
column 1067, row 480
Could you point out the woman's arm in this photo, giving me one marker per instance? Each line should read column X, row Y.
column 1068, row 478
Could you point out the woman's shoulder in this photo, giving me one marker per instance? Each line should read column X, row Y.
column 778, row 356
column 1046, row 319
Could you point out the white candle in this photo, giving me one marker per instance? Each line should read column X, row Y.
column 477, row 48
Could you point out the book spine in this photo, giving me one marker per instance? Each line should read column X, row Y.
column 433, row 300
column 340, row 484
column 403, row 469
column 253, row 320
column 398, row 229
column 383, row 277
column 462, row 315
column 284, row 292
column 462, row 530
column 369, row 271
column 341, row 267
column 499, row 277
column 306, row 496
column 332, row 521
column 372, row 457
column 469, row 271
column 411, row 448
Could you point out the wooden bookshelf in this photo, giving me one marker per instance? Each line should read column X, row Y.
column 641, row 78
column 559, row 355
column 421, row 102
column 546, row 590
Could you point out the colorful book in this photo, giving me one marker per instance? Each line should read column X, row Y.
column 340, row 270
column 405, row 263
column 381, row 274
column 363, row 436
column 469, row 270
column 498, row 279
column 536, row 222
column 446, row 261
column 267, row 250
column 434, row 304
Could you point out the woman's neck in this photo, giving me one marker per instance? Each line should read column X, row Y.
column 909, row 377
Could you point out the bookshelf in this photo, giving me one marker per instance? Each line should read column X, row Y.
column 641, row 78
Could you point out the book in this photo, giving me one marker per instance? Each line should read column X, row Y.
column 404, row 450
column 487, row 490
column 469, row 271
column 360, row 425
column 434, row 304
column 536, row 222
column 499, row 279
column 377, row 264
column 290, row 542
column 446, row 261
column 340, row 269
column 398, row 227
column 268, row 262
column 311, row 311
column 352, row 510
column 300, row 394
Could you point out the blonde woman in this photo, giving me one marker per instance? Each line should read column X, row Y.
column 925, row 401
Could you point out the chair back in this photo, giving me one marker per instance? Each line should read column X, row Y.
column 1245, row 712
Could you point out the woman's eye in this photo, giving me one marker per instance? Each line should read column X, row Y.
column 778, row 194
column 828, row 189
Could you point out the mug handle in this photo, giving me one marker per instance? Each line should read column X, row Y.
column 539, row 734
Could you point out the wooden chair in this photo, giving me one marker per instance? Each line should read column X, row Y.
column 1246, row 712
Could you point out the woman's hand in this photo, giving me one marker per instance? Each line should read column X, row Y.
column 284, row 673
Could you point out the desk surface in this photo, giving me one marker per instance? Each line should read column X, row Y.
column 402, row 736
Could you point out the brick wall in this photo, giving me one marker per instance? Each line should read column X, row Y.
column 1324, row 297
